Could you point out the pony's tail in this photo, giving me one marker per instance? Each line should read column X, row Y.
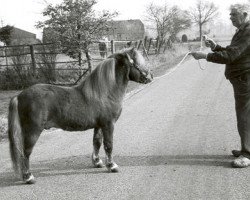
column 15, row 136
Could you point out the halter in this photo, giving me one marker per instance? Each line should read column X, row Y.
column 145, row 74
column 142, row 73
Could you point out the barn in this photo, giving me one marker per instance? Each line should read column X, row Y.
column 19, row 36
column 118, row 30
column 126, row 30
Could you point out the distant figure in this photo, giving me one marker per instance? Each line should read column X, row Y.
column 103, row 47
column 169, row 43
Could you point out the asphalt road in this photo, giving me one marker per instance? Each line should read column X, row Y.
column 172, row 141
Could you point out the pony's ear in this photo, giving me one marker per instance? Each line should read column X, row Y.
column 132, row 50
column 129, row 59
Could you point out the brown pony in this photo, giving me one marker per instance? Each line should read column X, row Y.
column 95, row 103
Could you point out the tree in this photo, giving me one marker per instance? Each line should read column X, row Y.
column 167, row 20
column 75, row 25
column 202, row 13
column 5, row 34
column 179, row 22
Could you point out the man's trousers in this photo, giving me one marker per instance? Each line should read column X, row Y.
column 241, row 86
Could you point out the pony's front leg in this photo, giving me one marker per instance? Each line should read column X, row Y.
column 97, row 142
column 108, row 147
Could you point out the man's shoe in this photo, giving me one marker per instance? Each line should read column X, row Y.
column 236, row 153
column 241, row 162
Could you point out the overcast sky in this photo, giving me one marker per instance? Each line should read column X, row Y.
column 25, row 13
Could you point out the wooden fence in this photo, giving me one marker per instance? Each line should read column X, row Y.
column 49, row 60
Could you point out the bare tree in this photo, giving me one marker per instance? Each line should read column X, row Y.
column 202, row 13
column 166, row 20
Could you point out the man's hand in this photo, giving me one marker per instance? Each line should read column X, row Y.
column 210, row 43
column 198, row 55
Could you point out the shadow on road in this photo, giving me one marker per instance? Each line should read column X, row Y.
column 82, row 165
column 202, row 160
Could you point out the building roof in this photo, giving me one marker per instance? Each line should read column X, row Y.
column 127, row 25
column 23, row 32
column 126, row 29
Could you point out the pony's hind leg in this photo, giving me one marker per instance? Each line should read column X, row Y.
column 108, row 147
column 97, row 142
column 30, row 139
column 22, row 138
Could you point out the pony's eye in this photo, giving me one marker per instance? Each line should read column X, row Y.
column 131, row 61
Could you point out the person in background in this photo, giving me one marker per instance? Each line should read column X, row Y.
column 103, row 47
column 236, row 56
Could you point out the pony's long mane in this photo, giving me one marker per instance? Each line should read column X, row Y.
column 98, row 85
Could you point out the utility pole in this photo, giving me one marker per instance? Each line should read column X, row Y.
column 5, row 54
column 1, row 23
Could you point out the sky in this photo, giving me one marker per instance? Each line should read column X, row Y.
column 24, row 14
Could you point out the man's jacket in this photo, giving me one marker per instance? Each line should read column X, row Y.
column 236, row 56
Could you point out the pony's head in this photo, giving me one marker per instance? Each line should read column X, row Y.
column 137, row 68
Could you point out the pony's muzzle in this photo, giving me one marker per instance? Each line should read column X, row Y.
column 149, row 77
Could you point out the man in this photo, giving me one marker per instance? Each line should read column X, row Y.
column 236, row 56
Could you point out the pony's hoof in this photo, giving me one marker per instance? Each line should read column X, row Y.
column 30, row 179
column 97, row 162
column 113, row 167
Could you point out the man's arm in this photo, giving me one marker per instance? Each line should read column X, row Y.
column 232, row 52
column 218, row 48
column 229, row 54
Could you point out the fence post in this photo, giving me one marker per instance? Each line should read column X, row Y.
column 6, row 58
column 144, row 51
column 140, row 42
column 136, row 42
column 156, row 45
column 165, row 47
column 32, row 53
column 160, row 45
column 88, row 60
column 145, row 41
column 149, row 44
column 112, row 46
column 80, row 58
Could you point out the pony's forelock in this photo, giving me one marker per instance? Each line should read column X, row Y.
column 139, row 59
column 135, row 55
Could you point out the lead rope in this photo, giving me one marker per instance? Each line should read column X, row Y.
column 169, row 72
column 204, row 36
column 188, row 53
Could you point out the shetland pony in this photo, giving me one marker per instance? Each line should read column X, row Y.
column 95, row 103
